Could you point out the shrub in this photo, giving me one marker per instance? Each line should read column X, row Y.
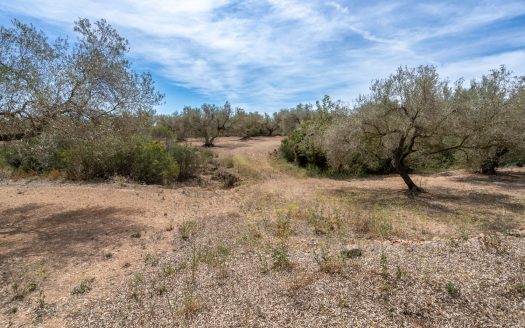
column 190, row 160
column 302, row 146
column 134, row 158
column 281, row 258
column 151, row 163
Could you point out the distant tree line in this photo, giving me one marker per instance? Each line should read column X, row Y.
column 210, row 121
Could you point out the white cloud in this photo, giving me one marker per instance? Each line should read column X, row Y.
column 267, row 53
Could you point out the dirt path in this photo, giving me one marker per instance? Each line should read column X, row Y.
column 56, row 235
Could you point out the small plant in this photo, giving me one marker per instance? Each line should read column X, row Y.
column 329, row 263
column 343, row 303
column 452, row 289
column 170, row 227
column 31, row 287
column 151, row 259
column 41, row 300
column 281, row 259
column 161, row 290
column 40, row 307
column 322, row 224
column 264, row 266
column 168, row 270
column 126, row 265
column 190, row 305
column 13, row 310
column 283, row 226
column 520, row 287
column 135, row 234
column 84, row 287
column 108, row 255
column 383, row 262
column 188, row 229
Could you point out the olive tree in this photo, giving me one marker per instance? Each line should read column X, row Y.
column 44, row 84
column 404, row 115
column 208, row 121
column 491, row 120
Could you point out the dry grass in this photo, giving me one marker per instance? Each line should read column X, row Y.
column 272, row 251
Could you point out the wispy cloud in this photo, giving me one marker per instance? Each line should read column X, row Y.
column 273, row 53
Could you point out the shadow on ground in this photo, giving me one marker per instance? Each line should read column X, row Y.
column 505, row 180
column 35, row 230
column 494, row 211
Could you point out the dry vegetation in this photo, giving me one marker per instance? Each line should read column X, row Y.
column 279, row 249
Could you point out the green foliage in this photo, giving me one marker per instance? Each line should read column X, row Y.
column 132, row 157
column 302, row 146
column 281, row 258
column 84, row 287
column 452, row 289
column 151, row 163
column 190, row 160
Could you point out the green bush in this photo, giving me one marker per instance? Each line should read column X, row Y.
column 302, row 146
column 190, row 160
column 99, row 159
column 152, row 163
column 147, row 162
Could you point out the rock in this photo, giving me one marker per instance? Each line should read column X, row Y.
column 516, row 233
column 351, row 251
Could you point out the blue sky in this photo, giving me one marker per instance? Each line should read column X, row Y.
column 264, row 55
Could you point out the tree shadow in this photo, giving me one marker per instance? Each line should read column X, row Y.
column 506, row 180
column 63, row 236
column 439, row 203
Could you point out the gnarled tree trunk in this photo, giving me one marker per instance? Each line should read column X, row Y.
column 402, row 170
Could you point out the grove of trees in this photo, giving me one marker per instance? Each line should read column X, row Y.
column 415, row 120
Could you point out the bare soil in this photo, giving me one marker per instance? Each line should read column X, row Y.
column 268, row 253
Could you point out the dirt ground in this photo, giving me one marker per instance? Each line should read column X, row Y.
column 266, row 253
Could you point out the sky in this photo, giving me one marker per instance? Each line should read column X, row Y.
column 264, row 55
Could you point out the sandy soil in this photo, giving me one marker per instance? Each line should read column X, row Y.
column 56, row 234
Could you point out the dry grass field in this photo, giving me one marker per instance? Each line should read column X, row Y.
column 280, row 249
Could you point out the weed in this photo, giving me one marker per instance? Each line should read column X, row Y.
column 108, row 255
column 252, row 236
column 31, row 287
column 264, row 265
column 190, row 305
column 40, row 307
column 520, row 287
column 161, row 290
column 343, row 303
column 329, row 263
column 283, row 224
column 168, row 270
column 383, row 262
column 324, row 224
column 283, row 227
column 188, row 229
column 151, row 259
column 84, row 287
column 281, row 258
column 452, row 289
